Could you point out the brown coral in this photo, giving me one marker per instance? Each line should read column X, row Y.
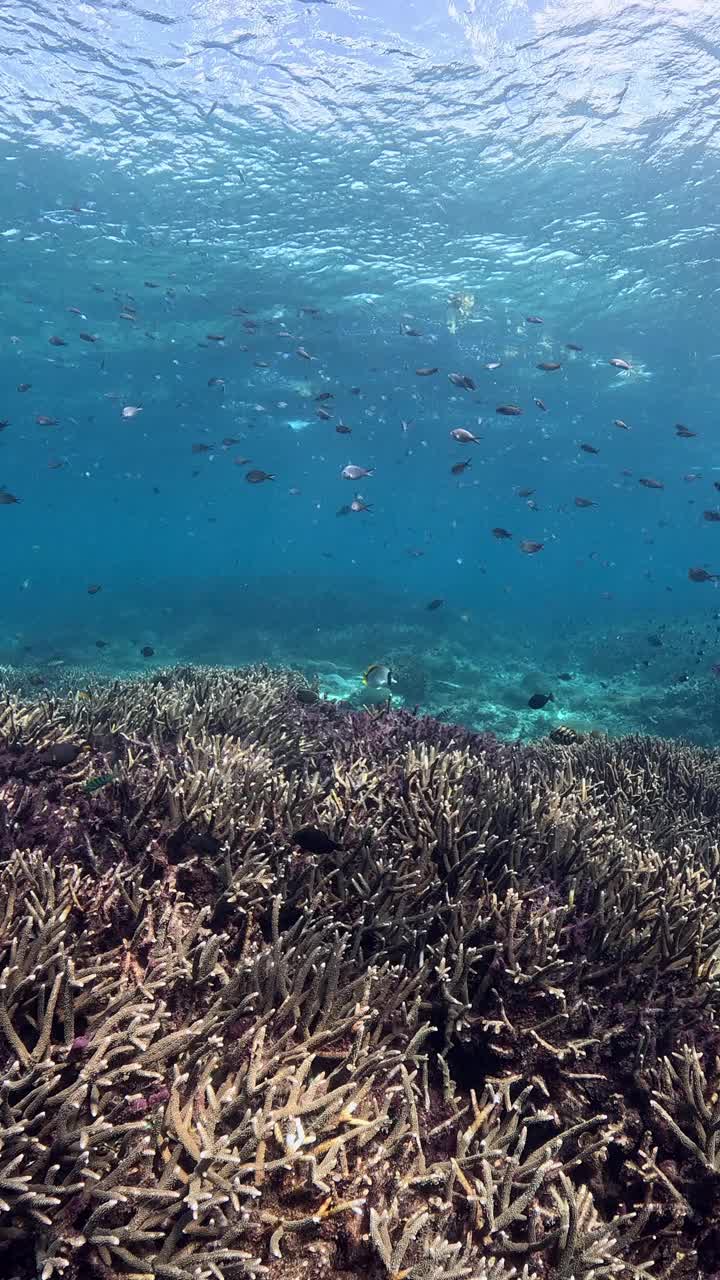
column 478, row 1042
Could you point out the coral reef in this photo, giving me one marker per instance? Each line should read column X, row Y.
column 477, row 1041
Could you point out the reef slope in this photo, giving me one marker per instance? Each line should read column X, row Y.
column 479, row 1040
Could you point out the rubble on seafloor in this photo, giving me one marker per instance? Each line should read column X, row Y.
column 476, row 1041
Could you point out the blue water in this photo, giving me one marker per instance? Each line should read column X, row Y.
column 368, row 162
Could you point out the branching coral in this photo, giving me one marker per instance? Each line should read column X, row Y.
column 478, row 1040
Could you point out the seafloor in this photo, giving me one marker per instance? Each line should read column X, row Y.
column 636, row 672
column 468, row 1028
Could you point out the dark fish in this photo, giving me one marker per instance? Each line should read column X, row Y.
column 712, row 516
column 215, row 337
column 531, row 548
column 525, row 493
column 500, row 533
column 43, row 421
column 204, row 843
column 323, row 415
column 305, row 355
column 324, row 395
column 684, row 432
column 61, row 753
column 24, row 386
column 584, row 502
column 228, row 441
column 716, row 484
column 572, row 346
column 89, row 337
column 459, row 467
column 539, row 700
column 425, row 373
column 589, row 448
column 308, row 697
column 534, row 320
column 101, row 644
column 343, row 430
column 540, row 404
column 702, row 575
column 147, row 651
column 410, row 332
column 257, row 477
column 509, row 410
column 216, row 382
column 201, row 448
column 462, row 380
column 565, row 675
column 313, row 840
column 94, row 588
column 548, row 366
column 655, row 641
column 7, row 499
column 57, row 342
column 344, row 510
column 651, row 484
column 434, row 604
column 150, row 284
column 4, row 422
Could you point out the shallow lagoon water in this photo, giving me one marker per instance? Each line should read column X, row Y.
column 207, row 193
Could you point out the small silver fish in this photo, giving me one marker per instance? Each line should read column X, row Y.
column 351, row 472
column 464, row 436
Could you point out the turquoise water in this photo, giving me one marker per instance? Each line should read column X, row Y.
column 343, row 173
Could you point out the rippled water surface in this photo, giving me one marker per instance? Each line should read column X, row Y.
column 386, row 187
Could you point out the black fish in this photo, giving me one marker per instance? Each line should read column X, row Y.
column 313, row 840
column 147, row 651
column 307, row 696
column 61, row 753
column 204, row 843
column 539, row 700
column 434, row 604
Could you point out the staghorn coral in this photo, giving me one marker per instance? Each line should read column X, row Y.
column 479, row 1041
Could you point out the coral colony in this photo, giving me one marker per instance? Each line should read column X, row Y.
column 476, row 1040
